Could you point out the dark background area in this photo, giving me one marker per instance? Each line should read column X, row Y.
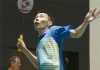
column 65, row 12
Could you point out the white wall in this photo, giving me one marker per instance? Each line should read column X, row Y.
column 95, row 39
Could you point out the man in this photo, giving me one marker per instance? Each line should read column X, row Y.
column 49, row 45
column 15, row 63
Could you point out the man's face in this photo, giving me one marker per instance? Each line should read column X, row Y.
column 41, row 21
column 16, row 64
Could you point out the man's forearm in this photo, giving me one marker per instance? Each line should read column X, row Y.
column 32, row 58
column 78, row 32
column 81, row 29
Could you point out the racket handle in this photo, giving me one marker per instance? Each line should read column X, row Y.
column 21, row 39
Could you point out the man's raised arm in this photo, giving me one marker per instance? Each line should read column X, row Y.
column 91, row 15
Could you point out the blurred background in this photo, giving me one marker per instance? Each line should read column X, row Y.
column 65, row 12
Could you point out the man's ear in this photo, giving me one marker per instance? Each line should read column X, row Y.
column 50, row 23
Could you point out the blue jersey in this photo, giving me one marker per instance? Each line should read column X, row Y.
column 49, row 48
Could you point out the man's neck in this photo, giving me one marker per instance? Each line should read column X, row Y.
column 42, row 30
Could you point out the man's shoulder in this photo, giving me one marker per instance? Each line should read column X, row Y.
column 55, row 27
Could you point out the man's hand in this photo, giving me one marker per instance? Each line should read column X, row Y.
column 21, row 45
column 92, row 15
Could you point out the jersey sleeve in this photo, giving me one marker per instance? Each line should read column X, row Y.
column 62, row 31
